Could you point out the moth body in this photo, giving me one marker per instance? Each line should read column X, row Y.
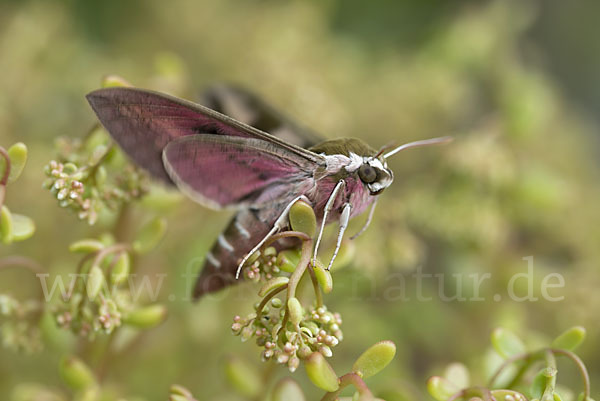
column 222, row 162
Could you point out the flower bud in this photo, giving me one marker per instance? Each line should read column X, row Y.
column 146, row 317
column 287, row 390
column 86, row 246
column 150, row 235
column 273, row 284
column 17, row 154
column 374, row 359
column 244, row 379
column 120, row 271
column 6, row 224
column 95, row 282
column 76, row 374
column 570, row 339
column 323, row 278
column 320, row 373
column 288, row 260
column 303, row 219
column 506, row 343
column 440, row 388
column 296, row 310
column 110, row 81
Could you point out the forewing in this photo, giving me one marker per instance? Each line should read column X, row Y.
column 250, row 109
column 143, row 122
column 222, row 171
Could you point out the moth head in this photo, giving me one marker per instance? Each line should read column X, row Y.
column 375, row 174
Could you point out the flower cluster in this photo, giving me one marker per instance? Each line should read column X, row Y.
column 318, row 331
column 265, row 264
column 19, row 329
column 87, row 317
column 92, row 175
column 101, row 299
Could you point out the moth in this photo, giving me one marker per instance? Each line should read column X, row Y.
column 225, row 162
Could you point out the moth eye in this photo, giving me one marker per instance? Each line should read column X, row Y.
column 367, row 174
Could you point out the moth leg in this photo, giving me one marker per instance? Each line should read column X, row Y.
column 328, row 207
column 368, row 222
column 344, row 218
column 280, row 223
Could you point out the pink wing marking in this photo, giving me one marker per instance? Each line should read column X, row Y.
column 225, row 171
column 143, row 122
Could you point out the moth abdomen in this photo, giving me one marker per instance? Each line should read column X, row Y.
column 243, row 232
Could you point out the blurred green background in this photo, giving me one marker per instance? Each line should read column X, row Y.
column 516, row 83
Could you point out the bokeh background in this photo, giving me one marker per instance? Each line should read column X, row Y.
column 516, row 83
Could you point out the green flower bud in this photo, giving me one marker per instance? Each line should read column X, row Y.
column 111, row 81
column 23, row 227
column 94, row 282
column 440, row 388
column 320, row 373
column 273, row 284
column 323, row 278
column 303, row 219
column 304, row 351
column 76, row 374
column 120, row 271
column 296, row 310
column 457, row 374
column 287, row 390
column 508, row 395
column 6, row 225
column 245, row 379
column 326, row 351
column 146, row 317
column 150, row 235
column 374, row 359
column 270, row 251
column 177, row 397
column 100, row 176
column 570, row 339
column 506, row 343
column 288, row 260
column 276, row 303
column 180, row 390
column 18, row 157
column 86, row 246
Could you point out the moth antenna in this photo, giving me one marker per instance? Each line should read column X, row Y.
column 384, row 148
column 425, row 142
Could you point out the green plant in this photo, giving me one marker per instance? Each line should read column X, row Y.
column 519, row 374
column 13, row 227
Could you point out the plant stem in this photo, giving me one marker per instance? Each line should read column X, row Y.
column 286, row 234
column 2, row 195
column 295, row 279
column 580, row 365
column 345, row 381
column 6, row 157
column 27, row 263
column 528, row 358
column 266, row 299
column 316, row 288
column 4, row 179
column 300, row 268
column 510, row 361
